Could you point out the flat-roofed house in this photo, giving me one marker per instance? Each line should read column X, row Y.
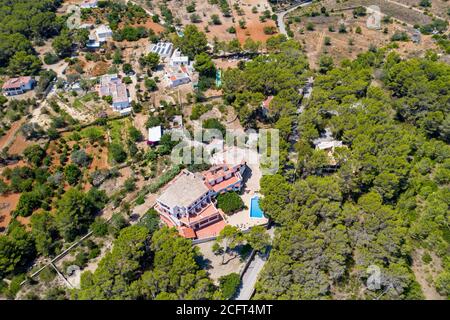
column 179, row 75
column 89, row 4
column 187, row 204
column 15, row 86
column 98, row 36
column 154, row 135
column 93, row 43
column 178, row 59
column 163, row 49
column 177, row 79
column 329, row 147
column 111, row 85
column 103, row 33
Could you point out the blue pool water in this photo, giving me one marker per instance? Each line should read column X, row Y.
column 255, row 210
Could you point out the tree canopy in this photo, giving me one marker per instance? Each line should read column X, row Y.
column 141, row 266
column 384, row 198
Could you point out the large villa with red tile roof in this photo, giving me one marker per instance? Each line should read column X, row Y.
column 187, row 203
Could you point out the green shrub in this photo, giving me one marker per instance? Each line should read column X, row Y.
column 47, row 275
column 51, row 58
column 99, row 227
column 198, row 110
column 94, row 253
column 150, row 220
column 230, row 202
column 400, row 36
column 426, row 258
column 229, row 284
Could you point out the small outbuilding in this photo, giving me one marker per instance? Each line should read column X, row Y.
column 154, row 135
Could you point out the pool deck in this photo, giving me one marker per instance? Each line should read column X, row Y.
column 242, row 218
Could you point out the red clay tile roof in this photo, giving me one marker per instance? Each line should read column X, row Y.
column 266, row 102
column 209, row 211
column 16, row 82
column 225, row 184
column 188, row 233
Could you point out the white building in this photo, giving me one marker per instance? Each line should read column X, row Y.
column 329, row 145
column 92, row 42
column 99, row 35
column 163, row 49
column 178, row 77
column 154, row 135
column 329, row 148
column 187, row 204
column 103, row 33
column 89, row 4
column 111, row 85
column 15, row 86
column 178, row 60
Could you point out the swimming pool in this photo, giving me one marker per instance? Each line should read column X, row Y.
column 255, row 210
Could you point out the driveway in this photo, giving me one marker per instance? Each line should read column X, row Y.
column 251, row 274
column 282, row 14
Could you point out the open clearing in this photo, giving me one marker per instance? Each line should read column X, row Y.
column 254, row 27
column 7, row 204
column 351, row 43
column 213, row 262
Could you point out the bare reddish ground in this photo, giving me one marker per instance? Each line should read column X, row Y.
column 5, row 214
column 10, row 133
column 97, row 163
column 81, row 62
column 100, row 68
column 254, row 27
column 52, row 152
column 212, row 93
column 340, row 49
column 254, row 30
column 94, row 152
column 19, row 144
column 149, row 24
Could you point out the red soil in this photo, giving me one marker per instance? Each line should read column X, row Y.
column 11, row 201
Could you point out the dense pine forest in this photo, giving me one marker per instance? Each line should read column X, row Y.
column 389, row 195
column 21, row 23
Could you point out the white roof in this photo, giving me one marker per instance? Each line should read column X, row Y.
column 184, row 190
column 181, row 59
column 329, row 144
column 154, row 134
column 230, row 155
column 103, row 29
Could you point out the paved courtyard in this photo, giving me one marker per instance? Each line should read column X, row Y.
column 242, row 218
